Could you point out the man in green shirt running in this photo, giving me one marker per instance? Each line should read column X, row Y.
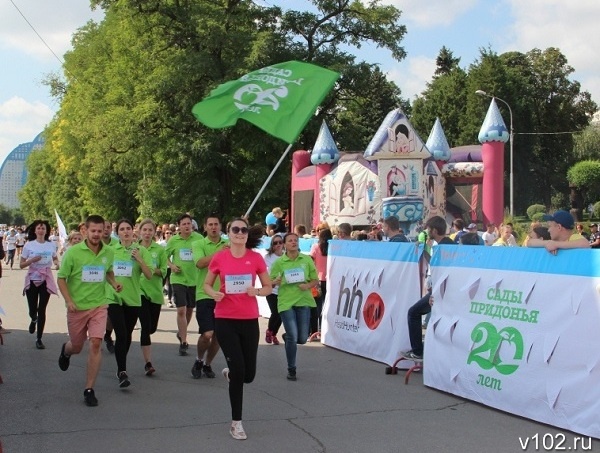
column 203, row 251
column 183, row 276
column 84, row 271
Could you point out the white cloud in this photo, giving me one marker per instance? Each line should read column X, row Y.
column 412, row 75
column 54, row 21
column 571, row 26
column 20, row 122
column 433, row 12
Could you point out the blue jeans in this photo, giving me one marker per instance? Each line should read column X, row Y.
column 420, row 308
column 296, row 322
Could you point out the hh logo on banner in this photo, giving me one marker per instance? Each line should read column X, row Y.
column 351, row 304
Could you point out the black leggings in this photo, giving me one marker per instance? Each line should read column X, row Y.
column 239, row 342
column 149, row 314
column 316, row 312
column 123, row 319
column 37, row 299
column 274, row 319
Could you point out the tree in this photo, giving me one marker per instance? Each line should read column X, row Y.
column 585, row 176
column 543, row 101
column 587, row 143
column 445, row 62
column 124, row 143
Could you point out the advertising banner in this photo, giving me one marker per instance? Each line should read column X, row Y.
column 370, row 286
column 519, row 330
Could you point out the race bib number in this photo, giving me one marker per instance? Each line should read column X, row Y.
column 185, row 255
column 92, row 274
column 46, row 259
column 237, row 284
column 123, row 268
column 295, row 275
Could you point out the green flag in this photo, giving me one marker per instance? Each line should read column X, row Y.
column 279, row 99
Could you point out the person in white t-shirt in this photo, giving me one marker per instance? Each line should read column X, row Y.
column 11, row 246
column 490, row 235
column 38, row 255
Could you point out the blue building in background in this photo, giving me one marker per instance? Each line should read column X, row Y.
column 13, row 173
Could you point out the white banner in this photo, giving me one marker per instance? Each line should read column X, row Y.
column 370, row 287
column 518, row 330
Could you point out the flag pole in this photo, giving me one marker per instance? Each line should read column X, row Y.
column 262, row 189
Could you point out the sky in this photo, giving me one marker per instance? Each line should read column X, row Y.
column 463, row 26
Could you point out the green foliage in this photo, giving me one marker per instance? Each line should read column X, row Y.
column 537, row 217
column 585, row 175
column 559, row 200
column 596, row 210
column 535, row 209
column 124, row 142
column 543, row 100
column 587, row 143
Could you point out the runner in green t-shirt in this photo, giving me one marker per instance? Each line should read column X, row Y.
column 81, row 279
column 152, row 291
column 112, row 241
column 202, row 252
column 130, row 261
column 183, row 276
column 295, row 274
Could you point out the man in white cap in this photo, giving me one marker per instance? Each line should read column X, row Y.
column 560, row 227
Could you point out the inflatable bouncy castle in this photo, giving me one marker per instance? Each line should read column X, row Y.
column 400, row 175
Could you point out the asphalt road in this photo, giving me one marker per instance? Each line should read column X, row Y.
column 340, row 402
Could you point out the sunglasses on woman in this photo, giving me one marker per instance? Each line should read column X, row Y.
column 277, row 242
column 238, row 230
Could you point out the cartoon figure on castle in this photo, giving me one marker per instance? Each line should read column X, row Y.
column 347, row 199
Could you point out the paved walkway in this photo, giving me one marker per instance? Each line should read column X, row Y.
column 340, row 403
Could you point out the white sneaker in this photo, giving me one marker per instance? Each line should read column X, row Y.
column 237, row 430
column 225, row 373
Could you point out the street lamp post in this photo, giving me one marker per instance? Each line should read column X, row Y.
column 511, row 137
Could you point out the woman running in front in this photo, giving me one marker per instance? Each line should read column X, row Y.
column 38, row 254
column 152, row 291
column 130, row 262
column 295, row 275
column 236, row 311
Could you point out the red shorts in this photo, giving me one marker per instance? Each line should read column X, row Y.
column 86, row 323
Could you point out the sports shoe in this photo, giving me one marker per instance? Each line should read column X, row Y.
column 409, row 355
column 291, row 374
column 39, row 344
column 208, row 371
column 149, row 369
column 237, row 430
column 63, row 359
column 32, row 325
column 123, row 379
column 90, row 398
column 269, row 336
column 197, row 369
column 275, row 340
column 110, row 344
column 225, row 373
column 183, row 348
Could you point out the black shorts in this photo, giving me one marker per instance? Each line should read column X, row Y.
column 205, row 315
column 185, row 296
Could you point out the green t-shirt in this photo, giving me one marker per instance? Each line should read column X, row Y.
column 179, row 251
column 113, row 242
column 293, row 272
column 85, row 274
column 153, row 288
column 200, row 249
column 128, row 273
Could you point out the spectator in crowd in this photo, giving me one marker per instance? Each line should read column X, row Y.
column 344, row 231
column 594, row 236
column 391, row 228
column 560, row 226
column 436, row 230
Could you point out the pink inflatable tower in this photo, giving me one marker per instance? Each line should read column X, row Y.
column 493, row 135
